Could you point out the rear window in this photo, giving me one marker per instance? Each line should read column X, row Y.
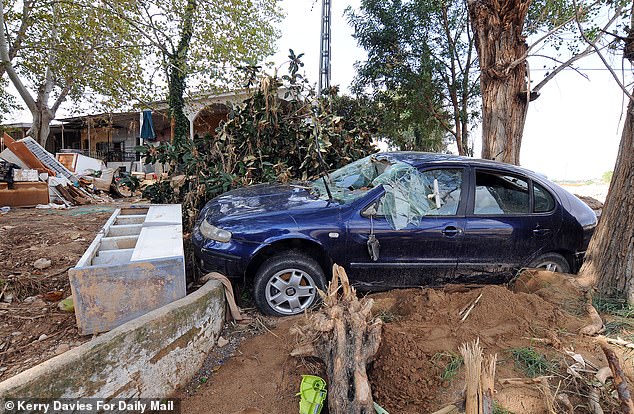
column 500, row 194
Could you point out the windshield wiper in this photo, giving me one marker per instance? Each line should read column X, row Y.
column 324, row 170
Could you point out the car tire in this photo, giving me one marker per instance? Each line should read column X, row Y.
column 551, row 261
column 286, row 284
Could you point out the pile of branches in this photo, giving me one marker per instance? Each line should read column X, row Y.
column 271, row 136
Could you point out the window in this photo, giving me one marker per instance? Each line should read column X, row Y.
column 411, row 195
column 543, row 201
column 500, row 194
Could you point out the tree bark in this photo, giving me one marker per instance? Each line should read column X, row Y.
column 610, row 256
column 497, row 28
column 177, row 75
column 345, row 337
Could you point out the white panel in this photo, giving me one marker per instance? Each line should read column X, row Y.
column 159, row 242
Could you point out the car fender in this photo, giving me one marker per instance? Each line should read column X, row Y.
column 289, row 241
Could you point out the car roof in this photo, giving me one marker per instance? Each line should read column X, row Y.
column 418, row 159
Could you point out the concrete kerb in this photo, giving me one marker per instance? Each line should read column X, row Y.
column 148, row 357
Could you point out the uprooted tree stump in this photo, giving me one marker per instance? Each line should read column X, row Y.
column 344, row 335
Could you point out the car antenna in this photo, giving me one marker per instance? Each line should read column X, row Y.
column 322, row 164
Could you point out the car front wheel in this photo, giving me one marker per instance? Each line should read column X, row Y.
column 551, row 261
column 287, row 283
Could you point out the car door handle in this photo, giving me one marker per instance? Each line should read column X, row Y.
column 541, row 232
column 451, row 231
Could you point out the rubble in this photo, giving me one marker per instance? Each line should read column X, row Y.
column 30, row 176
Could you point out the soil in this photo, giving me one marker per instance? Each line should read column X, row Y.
column 32, row 328
column 421, row 330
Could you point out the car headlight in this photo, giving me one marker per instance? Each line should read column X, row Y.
column 214, row 233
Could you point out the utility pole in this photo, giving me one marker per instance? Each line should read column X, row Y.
column 324, row 48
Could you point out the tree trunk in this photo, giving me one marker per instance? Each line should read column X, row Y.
column 41, row 126
column 345, row 337
column 497, row 28
column 610, row 256
column 177, row 75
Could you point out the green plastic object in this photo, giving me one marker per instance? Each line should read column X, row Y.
column 379, row 409
column 312, row 392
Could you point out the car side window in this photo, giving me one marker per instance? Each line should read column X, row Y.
column 543, row 201
column 500, row 194
column 416, row 194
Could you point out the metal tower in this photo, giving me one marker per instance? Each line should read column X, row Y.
column 324, row 48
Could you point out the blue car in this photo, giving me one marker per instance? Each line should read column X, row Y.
column 397, row 219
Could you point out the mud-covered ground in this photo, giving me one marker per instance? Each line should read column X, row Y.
column 421, row 336
column 32, row 328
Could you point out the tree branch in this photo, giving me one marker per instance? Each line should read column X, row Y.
column 8, row 66
column 598, row 52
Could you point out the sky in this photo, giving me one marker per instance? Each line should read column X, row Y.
column 572, row 131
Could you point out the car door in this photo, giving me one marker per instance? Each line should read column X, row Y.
column 506, row 224
column 419, row 228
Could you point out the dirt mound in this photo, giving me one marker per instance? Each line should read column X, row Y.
column 427, row 324
column 421, row 334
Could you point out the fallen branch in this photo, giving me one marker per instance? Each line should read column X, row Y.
column 523, row 381
column 627, row 406
column 617, row 341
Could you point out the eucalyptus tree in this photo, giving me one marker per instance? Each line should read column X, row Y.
column 58, row 50
column 500, row 29
column 202, row 41
column 421, row 66
column 610, row 256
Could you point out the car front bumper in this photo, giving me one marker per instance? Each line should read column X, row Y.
column 230, row 259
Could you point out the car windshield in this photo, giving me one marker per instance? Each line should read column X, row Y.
column 354, row 180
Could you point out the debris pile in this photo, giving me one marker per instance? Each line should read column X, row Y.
column 30, row 176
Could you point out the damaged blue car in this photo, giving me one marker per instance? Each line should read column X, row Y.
column 396, row 219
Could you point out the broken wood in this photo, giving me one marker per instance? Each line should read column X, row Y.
column 522, row 381
column 620, row 382
column 479, row 378
column 344, row 335
column 618, row 341
column 469, row 308
column 488, row 383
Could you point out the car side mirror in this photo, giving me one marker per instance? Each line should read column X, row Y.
column 370, row 211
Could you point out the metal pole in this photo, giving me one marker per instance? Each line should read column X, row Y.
column 324, row 47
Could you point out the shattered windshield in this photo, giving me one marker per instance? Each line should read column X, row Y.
column 410, row 194
column 354, row 180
